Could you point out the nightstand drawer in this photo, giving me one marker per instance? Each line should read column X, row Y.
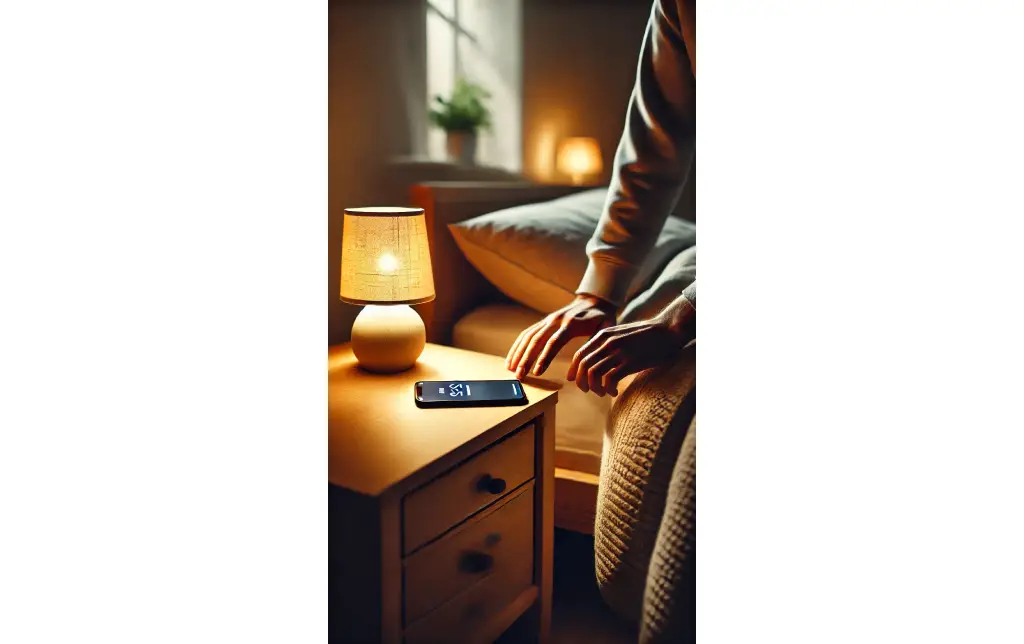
column 501, row 539
column 463, row 618
column 484, row 478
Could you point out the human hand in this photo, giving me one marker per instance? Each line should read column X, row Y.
column 538, row 344
column 618, row 351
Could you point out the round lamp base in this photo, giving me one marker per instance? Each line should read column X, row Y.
column 388, row 339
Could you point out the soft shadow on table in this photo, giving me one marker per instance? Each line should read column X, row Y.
column 420, row 371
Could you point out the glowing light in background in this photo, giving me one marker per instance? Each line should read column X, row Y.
column 580, row 158
column 544, row 151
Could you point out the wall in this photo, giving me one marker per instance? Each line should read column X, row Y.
column 579, row 64
column 377, row 93
column 489, row 54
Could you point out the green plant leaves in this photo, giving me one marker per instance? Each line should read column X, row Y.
column 465, row 111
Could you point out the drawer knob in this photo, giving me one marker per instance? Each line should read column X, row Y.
column 491, row 484
column 476, row 562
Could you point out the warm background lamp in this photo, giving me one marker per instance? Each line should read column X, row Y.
column 579, row 158
column 385, row 266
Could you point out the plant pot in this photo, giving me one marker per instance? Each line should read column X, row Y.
column 462, row 147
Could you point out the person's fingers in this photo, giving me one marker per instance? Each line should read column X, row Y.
column 581, row 371
column 613, row 376
column 512, row 349
column 520, row 345
column 515, row 346
column 581, row 374
column 588, row 347
column 554, row 344
column 587, row 361
column 595, row 375
column 579, row 355
column 533, row 348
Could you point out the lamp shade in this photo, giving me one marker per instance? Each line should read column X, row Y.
column 579, row 157
column 385, row 258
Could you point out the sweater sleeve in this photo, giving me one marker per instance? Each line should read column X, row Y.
column 690, row 293
column 654, row 154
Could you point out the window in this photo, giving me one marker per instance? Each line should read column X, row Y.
column 480, row 40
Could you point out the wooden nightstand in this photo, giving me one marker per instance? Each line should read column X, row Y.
column 441, row 520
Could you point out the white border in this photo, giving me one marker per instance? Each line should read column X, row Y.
column 163, row 213
column 860, row 213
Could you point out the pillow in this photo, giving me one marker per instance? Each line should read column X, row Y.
column 536, row 253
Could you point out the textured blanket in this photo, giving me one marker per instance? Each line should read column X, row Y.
column 645, row 531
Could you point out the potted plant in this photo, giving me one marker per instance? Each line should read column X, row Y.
column 461, row 116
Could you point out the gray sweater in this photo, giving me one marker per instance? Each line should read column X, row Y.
column 654, row 154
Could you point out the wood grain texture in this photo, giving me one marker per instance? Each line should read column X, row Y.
column 468, row 616
column 543, row 522
column 439, row 571
column 379, row 438
column 449, row 499
column 501, row 622
column 575, row 500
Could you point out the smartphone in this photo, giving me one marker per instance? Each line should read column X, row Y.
column 469, row 393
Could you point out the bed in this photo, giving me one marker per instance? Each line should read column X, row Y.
column 470, row 313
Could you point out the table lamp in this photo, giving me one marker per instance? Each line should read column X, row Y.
column 579, row 157
column 385, row 266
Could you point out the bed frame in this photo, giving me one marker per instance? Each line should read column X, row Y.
column 464, row 289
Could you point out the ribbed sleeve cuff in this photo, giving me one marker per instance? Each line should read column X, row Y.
column 690, row 293
column 607, row 281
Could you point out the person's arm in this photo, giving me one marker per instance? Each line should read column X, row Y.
column 690, row 293
column 654, row 154
column 651, row 165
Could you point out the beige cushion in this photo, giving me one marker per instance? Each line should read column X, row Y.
column 536, row 254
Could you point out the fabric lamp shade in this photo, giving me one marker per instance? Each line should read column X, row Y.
column 579, row 157
column 385, row 257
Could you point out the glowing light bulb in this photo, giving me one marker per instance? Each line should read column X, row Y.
column 387, row 263
column 579, row 157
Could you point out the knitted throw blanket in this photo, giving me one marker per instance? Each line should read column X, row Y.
column 645, row 531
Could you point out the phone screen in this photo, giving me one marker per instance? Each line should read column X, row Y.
column 454, row 392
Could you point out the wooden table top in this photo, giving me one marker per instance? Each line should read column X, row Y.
column 379, row 437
